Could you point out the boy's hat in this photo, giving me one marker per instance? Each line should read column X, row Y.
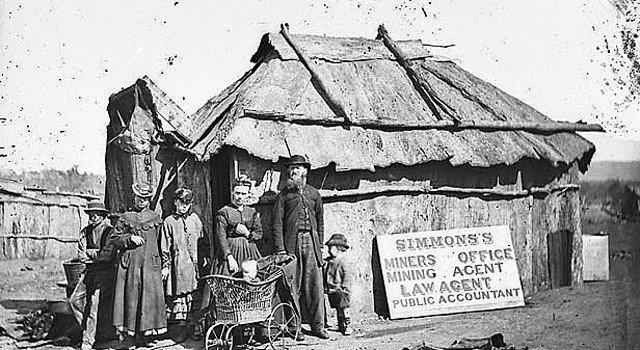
column 96, row 205
column 337, row 239
column 142, row 190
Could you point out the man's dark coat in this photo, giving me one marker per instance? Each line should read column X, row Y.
column 287, row 207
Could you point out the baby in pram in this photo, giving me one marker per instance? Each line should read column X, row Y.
column 248, row 271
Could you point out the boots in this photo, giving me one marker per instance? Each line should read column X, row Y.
column 344, row 326
column 344, row 321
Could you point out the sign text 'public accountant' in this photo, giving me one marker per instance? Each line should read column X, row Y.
column 440, row 272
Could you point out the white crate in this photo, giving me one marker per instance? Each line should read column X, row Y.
column 595, row 253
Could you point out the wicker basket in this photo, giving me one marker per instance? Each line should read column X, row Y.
column 73, row 271
column 242, row 302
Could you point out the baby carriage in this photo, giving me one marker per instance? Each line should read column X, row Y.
column 241, row 306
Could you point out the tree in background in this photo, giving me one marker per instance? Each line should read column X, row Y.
column 70, row 180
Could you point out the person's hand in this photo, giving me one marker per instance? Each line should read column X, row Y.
column 242, row 230
column 92, row 254
column 233, row 264
column 165, row 273
column 325, row 252
column 137, row 240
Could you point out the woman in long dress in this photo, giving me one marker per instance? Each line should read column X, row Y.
column 139, row 308
column 238, row 229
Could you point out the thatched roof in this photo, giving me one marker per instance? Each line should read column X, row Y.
column 172, row 117
column 372, row 86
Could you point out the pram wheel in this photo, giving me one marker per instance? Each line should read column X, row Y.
column 219, row 337
column 284, row 322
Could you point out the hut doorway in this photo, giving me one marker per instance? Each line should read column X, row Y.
column 560, row 253
column 221, row 174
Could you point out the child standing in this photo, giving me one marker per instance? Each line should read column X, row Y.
column 337, row 279
column 178, row 245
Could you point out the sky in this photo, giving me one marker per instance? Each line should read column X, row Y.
column 60, row 60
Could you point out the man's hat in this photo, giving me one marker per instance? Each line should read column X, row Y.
column 95, row 205
column 337, row 239
column 142, row 190
column 299, row 160
column 184, row 195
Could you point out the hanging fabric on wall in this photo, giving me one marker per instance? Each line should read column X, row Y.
column 138, row 135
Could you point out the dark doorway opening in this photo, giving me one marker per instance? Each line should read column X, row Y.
column 560, row 253
column 380, row 305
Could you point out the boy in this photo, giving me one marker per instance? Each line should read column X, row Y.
column 338, row 281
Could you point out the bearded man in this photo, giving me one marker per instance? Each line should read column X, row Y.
column 298, row 228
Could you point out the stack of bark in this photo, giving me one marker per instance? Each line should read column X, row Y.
column 494, row 342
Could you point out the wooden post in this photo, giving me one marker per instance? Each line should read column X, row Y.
column 421, row 84
column 316, row 79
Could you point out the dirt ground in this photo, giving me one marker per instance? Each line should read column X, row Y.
column 598, row 315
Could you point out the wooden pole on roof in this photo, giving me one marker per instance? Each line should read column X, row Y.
column 316, row 79
column 421, row 84
column 389, row 125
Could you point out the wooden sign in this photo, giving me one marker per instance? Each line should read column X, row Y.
column 449, row 271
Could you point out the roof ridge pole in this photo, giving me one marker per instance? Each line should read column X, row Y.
column 423, row 87
column 316, row 79
column 488, row 125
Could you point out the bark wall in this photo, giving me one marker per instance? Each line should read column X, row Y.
column 530, row 218
column 123, row 169
column 197, row 176
column 37, row 231
column 156, row 167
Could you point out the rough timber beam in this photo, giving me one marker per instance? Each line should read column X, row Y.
column 424, row 89
column 316, row 78
column 335, row 195
column 383, row 125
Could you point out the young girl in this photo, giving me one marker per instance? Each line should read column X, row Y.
column 178, row 244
